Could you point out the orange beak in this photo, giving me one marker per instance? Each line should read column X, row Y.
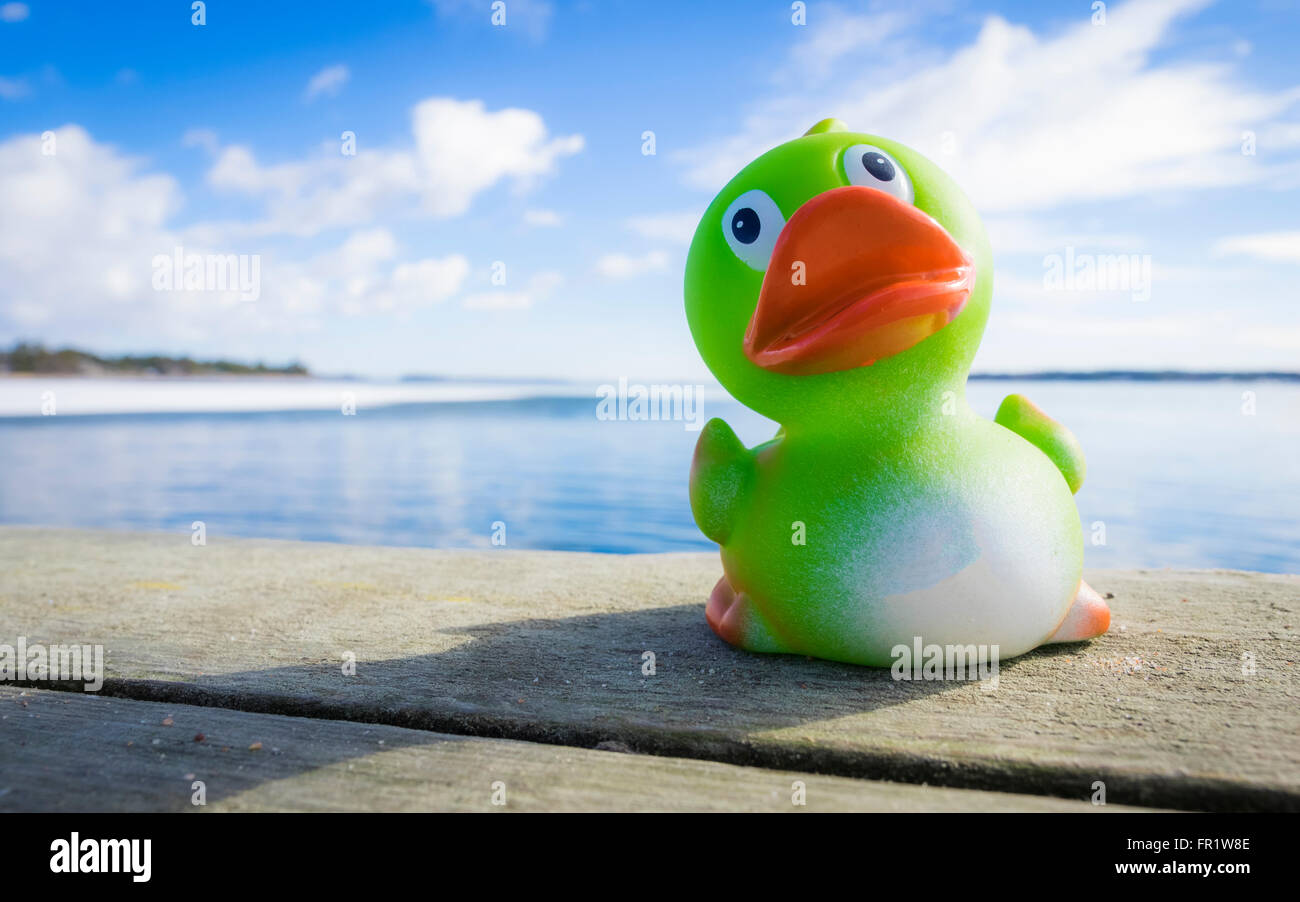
column 878, row 275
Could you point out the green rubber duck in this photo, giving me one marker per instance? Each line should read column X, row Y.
column 839, row 285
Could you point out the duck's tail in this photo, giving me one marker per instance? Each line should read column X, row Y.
column 1088, row 617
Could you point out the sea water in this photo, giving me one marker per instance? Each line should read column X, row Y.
column 1179, row 474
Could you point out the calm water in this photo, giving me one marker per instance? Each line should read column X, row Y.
column 1177, row 472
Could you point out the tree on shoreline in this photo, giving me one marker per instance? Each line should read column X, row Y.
column 26, row 357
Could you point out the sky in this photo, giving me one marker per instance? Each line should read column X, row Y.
column 502, row 216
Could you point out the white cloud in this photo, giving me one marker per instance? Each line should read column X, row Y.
column 1274, row 247
column 205, row 138
column 625, row 266
column 411, row 286
column 363, row 276
column 430, row 280
column 497, row 300
column 837, row 34
column 1280, row 336
column 542, row 218
column 466, row 149
column 1036, row 121
column 13, row 88
column 1046, row 131
column 1082, row 325
column 237, row 170
column 678, row 228
column 362, row 251
column 1120, row 336
column 459, row 150
column 541, row 286
column 531, row 17
column 327, row 82
column 1011, row 234
column 14, row 12
column 360, row 277
column 80, row 229
column 83, row 196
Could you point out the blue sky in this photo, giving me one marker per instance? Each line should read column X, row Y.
column 522, row 144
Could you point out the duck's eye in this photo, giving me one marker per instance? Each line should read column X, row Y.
column 871, row 167
column 750, row 225
column 745, row 225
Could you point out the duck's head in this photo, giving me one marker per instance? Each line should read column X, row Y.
column 838, row 277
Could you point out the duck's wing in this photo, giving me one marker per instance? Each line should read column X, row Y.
column 722, row 475
column 1027, row 420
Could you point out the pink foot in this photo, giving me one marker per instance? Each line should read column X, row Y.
column 1088, row 617
column 732, row 616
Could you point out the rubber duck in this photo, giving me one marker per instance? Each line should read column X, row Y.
column 839, row 285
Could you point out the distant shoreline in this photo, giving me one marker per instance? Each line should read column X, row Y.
column 27, row 359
